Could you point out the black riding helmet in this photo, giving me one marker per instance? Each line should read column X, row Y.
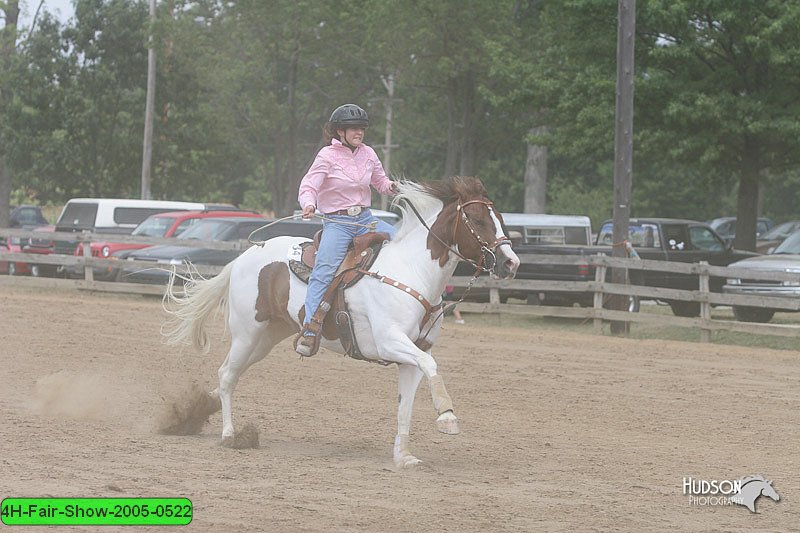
column 349, row 116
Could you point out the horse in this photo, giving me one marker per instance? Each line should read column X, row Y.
column 393, row 320
column 752, row 488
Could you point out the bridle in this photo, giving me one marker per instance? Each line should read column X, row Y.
column 488, row 250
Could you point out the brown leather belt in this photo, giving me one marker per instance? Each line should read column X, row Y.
column 351, row 211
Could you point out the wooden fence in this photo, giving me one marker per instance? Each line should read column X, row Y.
column 599, row 288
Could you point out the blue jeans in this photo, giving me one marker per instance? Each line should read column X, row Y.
column 335, row 240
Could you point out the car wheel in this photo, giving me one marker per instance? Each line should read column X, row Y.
column 36, row 271
column 633, row 303
column 685, row 309
column 753, row 314
column 533, row 299
column 12, row 269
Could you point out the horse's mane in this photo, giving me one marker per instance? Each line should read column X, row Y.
column 748, row 479
column 429, row 197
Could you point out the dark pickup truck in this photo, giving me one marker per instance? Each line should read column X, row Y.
column 663, row 239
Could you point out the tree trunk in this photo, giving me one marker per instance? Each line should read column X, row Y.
column 8, row 49
column 453, row 127
column 536, row 175
column 462, row 125
column 5, row 194
column 288, row 200
column 470, row 126
column 747, row 202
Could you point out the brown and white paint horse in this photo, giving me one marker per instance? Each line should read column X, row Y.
column 263, row 300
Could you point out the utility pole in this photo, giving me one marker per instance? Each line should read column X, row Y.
column 388, row 83
column 147, row 151
column 623, row 148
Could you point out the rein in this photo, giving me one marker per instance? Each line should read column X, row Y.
column 371, row 225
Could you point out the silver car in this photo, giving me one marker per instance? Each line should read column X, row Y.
column 785, row 258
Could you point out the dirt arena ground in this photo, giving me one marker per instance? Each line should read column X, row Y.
column 558, row 433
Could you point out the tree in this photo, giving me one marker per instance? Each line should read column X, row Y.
column 715, row 105
column 728, row 72
column 8, row 51
column 272, row 76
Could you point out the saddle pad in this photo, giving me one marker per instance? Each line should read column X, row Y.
column 296, row 264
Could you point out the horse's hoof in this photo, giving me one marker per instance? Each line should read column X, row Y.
column 407, row 461
column 447, row 423
column 227, row 441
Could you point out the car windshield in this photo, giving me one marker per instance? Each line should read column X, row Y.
column 208, row 230
column 641, row 235
column 790, row 246
column 781, row 231
column 154, row 227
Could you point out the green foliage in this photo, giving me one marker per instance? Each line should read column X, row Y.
column 244, row 87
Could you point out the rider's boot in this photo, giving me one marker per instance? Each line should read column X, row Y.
column 305, row 345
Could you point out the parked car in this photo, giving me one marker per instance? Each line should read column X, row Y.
column 10, row 267
column 772, row 238
column 42, row 246
column 218, row 229
column 726, row 226
column 539, row 231
column 116, row 216
column 534, row 228
column 27, row 215
column 169, row 224
column 659, row 239
column 209, row 229
column 785, row 258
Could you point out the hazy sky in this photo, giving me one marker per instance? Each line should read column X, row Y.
column 62, row 9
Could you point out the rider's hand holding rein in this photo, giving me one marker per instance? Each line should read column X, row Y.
column 308, row 211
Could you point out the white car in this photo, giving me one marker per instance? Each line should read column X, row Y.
column 785, row 258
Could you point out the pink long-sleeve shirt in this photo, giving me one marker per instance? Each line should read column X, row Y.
column 339, row 178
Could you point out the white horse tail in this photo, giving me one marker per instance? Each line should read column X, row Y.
column 202, row 299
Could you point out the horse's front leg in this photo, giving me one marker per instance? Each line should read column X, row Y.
column 409, row 376
column 446, row 422
column 403, row 349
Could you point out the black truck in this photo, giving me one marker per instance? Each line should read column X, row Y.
column 662, row 239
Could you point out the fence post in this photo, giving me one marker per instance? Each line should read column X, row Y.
column 705, row 306
column 88, row 272
column 599, row 278
column 494, row 296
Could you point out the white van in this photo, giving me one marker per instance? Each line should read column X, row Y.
column 116, row 215
column 549, row 229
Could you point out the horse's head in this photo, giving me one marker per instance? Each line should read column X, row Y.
column 770, row 492
column 469, row 223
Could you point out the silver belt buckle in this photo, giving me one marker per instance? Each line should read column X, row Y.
column 354, row 211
